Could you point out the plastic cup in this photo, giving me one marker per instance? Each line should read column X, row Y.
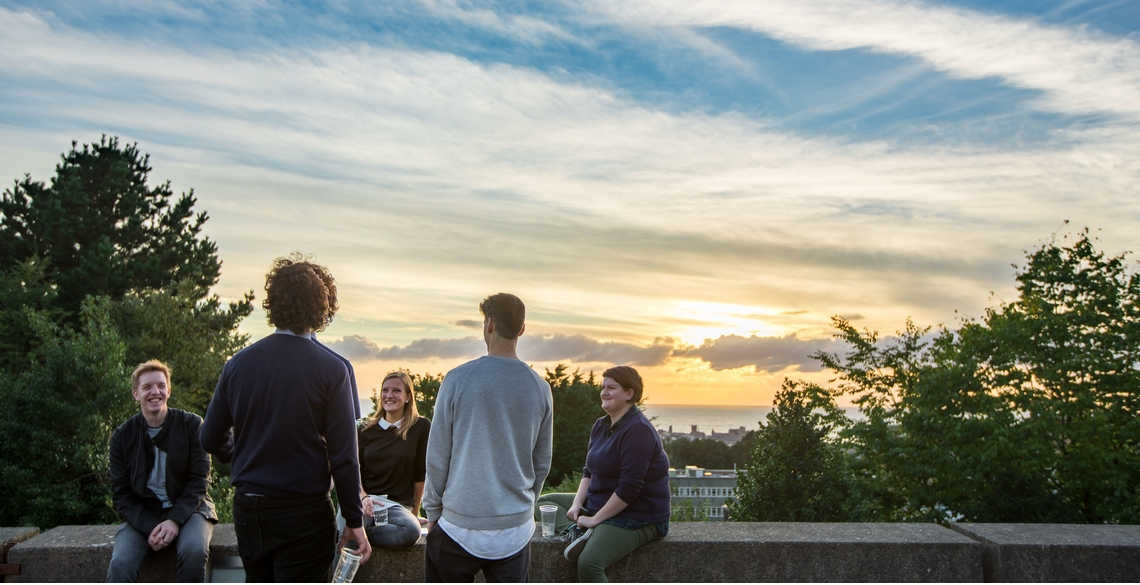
column 548, row 511
column 346, row 566
column 379, row 510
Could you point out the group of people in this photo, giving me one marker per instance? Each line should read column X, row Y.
column 284, row 416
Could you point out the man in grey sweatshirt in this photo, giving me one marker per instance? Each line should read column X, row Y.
column 488, row 455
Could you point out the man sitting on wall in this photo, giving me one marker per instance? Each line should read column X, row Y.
column 159, row 474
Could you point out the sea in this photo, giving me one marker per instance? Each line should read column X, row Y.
column 713, row 418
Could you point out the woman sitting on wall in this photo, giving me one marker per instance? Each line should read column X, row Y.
column 393, row 448
column 622, row 502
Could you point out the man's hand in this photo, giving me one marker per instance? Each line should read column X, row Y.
column 357, row 535
column 366, row 503
column 573, row 513
column 162, row 535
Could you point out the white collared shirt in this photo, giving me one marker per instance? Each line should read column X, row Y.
column 385, row 425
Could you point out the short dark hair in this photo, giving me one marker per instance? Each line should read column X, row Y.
column 299, row 295
column 627, row 378
column 507, row 312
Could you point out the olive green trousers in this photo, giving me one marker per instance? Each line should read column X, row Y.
column 607, row 544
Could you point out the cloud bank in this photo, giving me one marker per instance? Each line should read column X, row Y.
column 765, row 354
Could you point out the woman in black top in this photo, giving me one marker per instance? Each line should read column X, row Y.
column 393, row 448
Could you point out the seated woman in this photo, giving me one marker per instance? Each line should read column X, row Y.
column 393, row 450
column 622, row 501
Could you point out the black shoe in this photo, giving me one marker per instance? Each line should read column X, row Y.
column 578, row 537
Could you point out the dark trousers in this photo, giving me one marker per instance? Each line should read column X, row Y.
column 285, row 538
column 447, row 562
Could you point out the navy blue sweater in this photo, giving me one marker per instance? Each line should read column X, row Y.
column 627, row 459
column 287, row 400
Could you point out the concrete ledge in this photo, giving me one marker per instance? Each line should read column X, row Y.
column 82, row 553
column 694, row 551
column 761, row 551
column 1058, row 552
column 10, row 537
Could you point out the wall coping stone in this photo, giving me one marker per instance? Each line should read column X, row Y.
column 703, row 552
column 1058, row 552
column 9, row 537
column 693, row 551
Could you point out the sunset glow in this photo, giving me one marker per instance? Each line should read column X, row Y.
column 690, row 188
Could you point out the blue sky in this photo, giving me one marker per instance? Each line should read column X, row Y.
column 693, row 188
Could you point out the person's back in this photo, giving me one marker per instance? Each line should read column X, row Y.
column 495, row 406
column 289, row 406
column 288, row 395
column 488, row 456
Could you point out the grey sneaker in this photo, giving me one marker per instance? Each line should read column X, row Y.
column 577, row 537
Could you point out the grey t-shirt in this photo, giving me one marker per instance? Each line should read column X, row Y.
column 157, row 480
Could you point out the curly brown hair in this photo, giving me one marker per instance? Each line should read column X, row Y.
column 299, row 295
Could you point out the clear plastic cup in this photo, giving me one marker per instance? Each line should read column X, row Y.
column 548, row 511
column 379, row 510
column 346, row 566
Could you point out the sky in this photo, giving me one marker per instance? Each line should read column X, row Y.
column 690, row 188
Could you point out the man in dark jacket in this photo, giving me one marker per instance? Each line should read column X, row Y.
column 159, row 474
column 288, row 406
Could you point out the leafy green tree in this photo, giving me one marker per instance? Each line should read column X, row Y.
column 568, row 485
column 576, row 407
column 193, row 333
column 100, row 251
column 427, row 389
column 687, row 510
column 1066, row 357
column 103, row 230
column 59, row 410
column 798, row 471
column 709, row 453
column 1027, row 414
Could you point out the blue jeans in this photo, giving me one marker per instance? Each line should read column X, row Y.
column 401, row 531
column 192, row 546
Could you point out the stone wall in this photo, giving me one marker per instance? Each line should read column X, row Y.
column 713, row 552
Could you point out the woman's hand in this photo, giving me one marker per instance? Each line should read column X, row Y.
column 573, row 513
column 366, row 503
column 587, row 521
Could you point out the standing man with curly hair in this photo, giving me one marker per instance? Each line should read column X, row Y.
column 287, row 401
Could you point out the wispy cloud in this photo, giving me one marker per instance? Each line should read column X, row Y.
column 535, row 348
column 765, row 354
column 522, row 28
column 362, row 348
column 429, row 179
column 1077, row 69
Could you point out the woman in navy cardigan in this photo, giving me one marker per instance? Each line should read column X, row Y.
column 622, row 502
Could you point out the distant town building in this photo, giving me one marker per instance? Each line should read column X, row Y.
column 707, row 490
column 732, row 437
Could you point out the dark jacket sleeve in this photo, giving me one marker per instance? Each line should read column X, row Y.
column 216, row 434
column 197, row 474
column 344, row 462
column 128, row 504
column 637, row 450
column 421, row 452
